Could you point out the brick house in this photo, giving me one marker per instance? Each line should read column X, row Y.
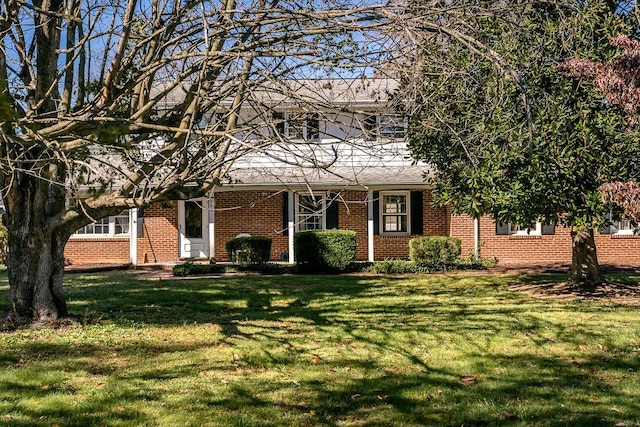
column 345, row 169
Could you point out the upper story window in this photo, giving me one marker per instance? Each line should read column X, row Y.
column 302, row 126
column 394, row 212
column 117, row 225
column 384, row 126
column 310, row 211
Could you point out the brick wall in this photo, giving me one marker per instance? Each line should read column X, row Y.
column 352, row 215
column 546, row 249
column 258, row 213
column 98, row 250
column 435, row 222
column 159, row 242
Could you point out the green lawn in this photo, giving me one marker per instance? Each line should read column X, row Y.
column 322, row 350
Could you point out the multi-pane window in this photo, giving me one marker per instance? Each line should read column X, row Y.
column 535, row 230
column 623, row 226
column 116, row 225
column 387, row 126
column 304, row 126
column 394, row 212
column 391, row 126
column 310, row 212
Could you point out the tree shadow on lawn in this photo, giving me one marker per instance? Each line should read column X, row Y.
column 525, row 389
column 528, row 389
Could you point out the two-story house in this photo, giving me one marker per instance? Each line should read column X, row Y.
column 335, row 158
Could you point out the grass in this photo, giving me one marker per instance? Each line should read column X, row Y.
column 442, row 350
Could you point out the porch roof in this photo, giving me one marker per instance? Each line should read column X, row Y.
column 339, row 176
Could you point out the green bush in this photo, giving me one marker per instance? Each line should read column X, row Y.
column 393, row 266
column 269, row 268
column 249, row 250
column 188, row 268
column 473, row 263
column 326, row 251
column 4, row 244
column 434, row 251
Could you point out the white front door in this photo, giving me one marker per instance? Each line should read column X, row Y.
column 194, row 230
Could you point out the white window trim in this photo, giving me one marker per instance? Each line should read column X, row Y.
column 381, row 213
column 537, row 231
column 375, row 134
column 323, row 210
column 399, row 118
column 621, row 231
column 112, row 229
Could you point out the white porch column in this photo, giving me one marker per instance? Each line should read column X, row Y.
column 133, row 236
column 211, row 228
column 291, row 224
column 370, row 231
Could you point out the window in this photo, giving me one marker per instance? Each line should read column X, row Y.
column 220, row 120
column 520, row 230
column 394, row 212
column 624, row 226
column 538, row 229
column 389, row 126
column 117, row 225
column 302, row 126
column 310, row 212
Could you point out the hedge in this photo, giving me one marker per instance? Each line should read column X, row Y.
column 434, row 250
column 325, row 251
column 249, row 250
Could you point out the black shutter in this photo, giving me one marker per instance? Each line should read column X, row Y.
column 376, row 212
column 285, row 213
column 548, row 229
column 502, row 228
column 332, row 212
column 140, row 223
column 278, row 118
column 416, row 213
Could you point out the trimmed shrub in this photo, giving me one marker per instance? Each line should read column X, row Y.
column 393, row 266
column 473, row 263
column 249, row 250
column 434, row 250
column 325, row 251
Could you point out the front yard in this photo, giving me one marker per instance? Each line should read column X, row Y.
column 442, row 350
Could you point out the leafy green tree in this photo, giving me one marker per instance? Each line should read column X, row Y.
column 510, row 131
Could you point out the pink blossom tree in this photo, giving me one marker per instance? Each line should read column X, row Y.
column 619, row 80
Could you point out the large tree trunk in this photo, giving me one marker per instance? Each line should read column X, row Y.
column 36, row 249
column 36, row 265
column 585, row 269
